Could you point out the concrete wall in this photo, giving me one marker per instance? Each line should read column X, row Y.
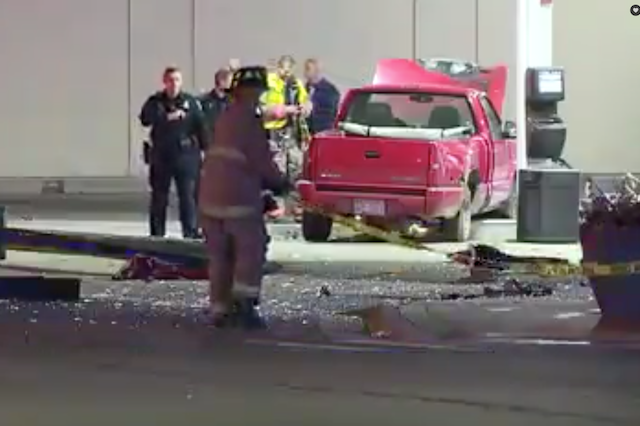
column 595, row 44
column 497, row 42
column 64, row 87
column 76, row 71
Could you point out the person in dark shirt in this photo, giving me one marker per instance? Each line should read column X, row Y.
column 178, row 136
column 216, row 100
column 324, row 95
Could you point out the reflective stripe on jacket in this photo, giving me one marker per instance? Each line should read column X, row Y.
column 237, row 165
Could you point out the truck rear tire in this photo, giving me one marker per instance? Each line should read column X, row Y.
column 458, row 228
column 316, row 228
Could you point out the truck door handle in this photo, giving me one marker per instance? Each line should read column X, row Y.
column 371, row 154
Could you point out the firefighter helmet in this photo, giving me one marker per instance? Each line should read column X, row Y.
column 250, row 77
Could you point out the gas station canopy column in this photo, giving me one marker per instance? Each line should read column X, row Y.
column 534, row 49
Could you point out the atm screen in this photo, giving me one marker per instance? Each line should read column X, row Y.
column 550, row 82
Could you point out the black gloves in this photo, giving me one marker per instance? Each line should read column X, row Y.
column 284, row 188
column 270, row 203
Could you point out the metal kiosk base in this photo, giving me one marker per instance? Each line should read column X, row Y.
column 548, row 205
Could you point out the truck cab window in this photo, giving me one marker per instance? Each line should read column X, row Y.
column 416, row 110
column 495, row 123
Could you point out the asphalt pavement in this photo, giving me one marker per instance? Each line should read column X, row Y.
column 143, row 354
column 357, row 332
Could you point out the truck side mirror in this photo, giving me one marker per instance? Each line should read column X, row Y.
column 509, row 130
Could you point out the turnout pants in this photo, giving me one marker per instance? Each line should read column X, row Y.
column 288, row 156
column 237, row 253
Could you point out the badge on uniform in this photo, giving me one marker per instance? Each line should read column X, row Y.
column 185, row 105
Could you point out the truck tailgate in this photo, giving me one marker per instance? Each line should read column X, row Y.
column 367, row 163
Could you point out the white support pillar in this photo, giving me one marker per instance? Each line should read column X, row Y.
column 534, row 49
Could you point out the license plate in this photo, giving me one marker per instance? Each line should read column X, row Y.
column 369, row 207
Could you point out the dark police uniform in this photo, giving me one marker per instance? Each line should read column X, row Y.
column 213, row 104
column 175, row 156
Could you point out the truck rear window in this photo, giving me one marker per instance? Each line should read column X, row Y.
column 416, row 110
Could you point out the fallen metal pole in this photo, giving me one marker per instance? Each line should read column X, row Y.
column 182, row 252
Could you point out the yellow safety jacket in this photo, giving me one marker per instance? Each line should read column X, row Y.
column 275, row 95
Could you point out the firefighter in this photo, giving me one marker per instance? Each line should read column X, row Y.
column 286, row 106
column 178, row 136
column 237, row 166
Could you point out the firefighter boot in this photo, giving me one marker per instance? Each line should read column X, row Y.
column 226, row 320
column 223, row 318
column 248, row 314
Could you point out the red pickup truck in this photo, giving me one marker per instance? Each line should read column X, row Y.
column 430, row 148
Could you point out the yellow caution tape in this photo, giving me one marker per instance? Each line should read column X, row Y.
column 585, row 269
column 392, row 237
column 592, row 269
column 540, row 268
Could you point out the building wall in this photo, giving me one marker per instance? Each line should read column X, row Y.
column 345, row 38
column 595, row 45
column 64, row 80
column 160, row 34
column 497, row 42
column 76, row 71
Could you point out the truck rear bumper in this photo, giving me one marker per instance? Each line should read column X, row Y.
column 433, row 203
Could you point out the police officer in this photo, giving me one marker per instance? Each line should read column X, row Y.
column 178, row 136
column 238, row 165
column 216, row 100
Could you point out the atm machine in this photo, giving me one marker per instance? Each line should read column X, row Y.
column 549, row 190
column 546, row 131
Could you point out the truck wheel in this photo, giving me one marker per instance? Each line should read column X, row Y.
column 458, row 228
column 316, row 228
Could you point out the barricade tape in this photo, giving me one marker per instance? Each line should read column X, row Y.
column 585, row 269
column 540, row 268
column 391, row 237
